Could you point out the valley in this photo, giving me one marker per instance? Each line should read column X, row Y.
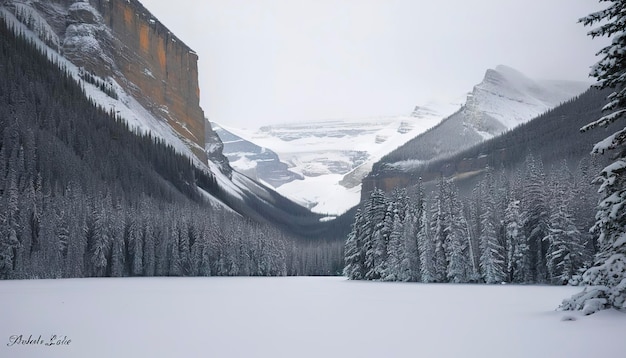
column 467, row 221
column 322, row 165
column 323, row 162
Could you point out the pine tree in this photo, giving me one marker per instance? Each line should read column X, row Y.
column 426, row 246
column 609, row 272
column 354, row 253
column 493, row 256
column 98, row 243
column 375, row 235
column 519, row 267
column 440, row 231
column 9, row 224
column 410, row 229
column 535, row 203
column 459, row 268
column 413, row 225
column 566, row 248
column 398, row 268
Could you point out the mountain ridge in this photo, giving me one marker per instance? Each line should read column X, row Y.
column 504, row 99
column 553, row 136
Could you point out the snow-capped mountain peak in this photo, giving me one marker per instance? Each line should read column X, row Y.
column 330, row 158
column 506, row 98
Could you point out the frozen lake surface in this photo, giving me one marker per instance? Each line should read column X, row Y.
column 296, row 317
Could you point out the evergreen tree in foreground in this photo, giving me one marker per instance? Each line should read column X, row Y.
column 608, row 275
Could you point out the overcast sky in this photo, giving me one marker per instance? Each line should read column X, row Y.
column 269, row 61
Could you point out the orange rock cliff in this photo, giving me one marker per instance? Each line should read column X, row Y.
column 123, row 40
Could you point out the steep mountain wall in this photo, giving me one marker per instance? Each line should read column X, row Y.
column 163, row 70
column 120, row 39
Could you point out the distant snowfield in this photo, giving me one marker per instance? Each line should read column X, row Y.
column 297, row 317
column 326, row 153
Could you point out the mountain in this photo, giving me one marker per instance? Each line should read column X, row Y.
column 553, row 137
column 504, row 99
column 129, row 64
column 256, row 162
column 333, row 157
column 85, row 194
column 321, row 164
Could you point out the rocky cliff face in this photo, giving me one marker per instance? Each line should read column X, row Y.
column 120, row 39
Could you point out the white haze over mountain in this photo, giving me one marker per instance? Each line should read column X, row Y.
column 333, row 156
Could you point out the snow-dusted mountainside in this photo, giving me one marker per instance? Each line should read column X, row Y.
column 333, row 157
column 129, row 63
column 117, row 52
column 506, row 98
column 503, row 100
column 329, row 158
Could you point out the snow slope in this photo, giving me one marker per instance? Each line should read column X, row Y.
column 504, row 99
column 511, row 98
column 298, row 317
column 138, row 118
column 332, row 156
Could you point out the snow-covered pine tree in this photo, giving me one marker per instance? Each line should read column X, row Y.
column 473, row 212
column 412, row 226
column 400, row 226
column 204, row 267
column 565, row 247
column 353, row 257
column 440, row 230
column 535, row 202
column 98, row 243
column 426, row 247
column 134, row 243
column 411, row 254
column 493, row 256
column 397, row 268
column 375, row 234
column 608, row 275
column 115, row 225
column 584, row 194
column 518, row 263
column 149, row 243
column 409, row 236
column 459, row 267
column 9, row 221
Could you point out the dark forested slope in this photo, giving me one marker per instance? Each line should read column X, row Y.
column 82, row 195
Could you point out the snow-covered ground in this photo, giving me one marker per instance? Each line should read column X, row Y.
column 297, row 317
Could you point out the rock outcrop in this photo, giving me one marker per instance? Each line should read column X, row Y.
column 122, row 40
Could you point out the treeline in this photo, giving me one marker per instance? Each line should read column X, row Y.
column 82, row 195
column 526, row 226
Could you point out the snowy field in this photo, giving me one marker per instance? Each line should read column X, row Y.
column 296, row 317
